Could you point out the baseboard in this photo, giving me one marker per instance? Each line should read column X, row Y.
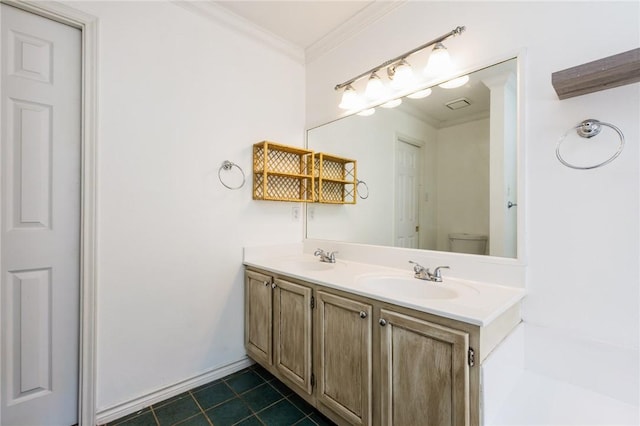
column 143, row 401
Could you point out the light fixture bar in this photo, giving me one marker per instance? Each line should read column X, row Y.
column 456, row 31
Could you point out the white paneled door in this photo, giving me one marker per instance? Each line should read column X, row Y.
column 40, row 92
column 406, row 200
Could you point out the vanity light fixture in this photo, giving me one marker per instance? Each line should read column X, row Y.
column 399, row 73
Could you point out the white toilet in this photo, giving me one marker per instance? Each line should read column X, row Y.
column 468, row 243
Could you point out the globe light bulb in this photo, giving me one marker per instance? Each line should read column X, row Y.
column 367, row 112
column 439, row 62
column 420, row 94
column 392, row 104
column 375, row 88
column 401, row 75
column 456, row 82
column 350, row 99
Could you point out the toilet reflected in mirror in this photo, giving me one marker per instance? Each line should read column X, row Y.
column 467, row 243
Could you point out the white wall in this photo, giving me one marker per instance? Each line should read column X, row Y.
column 463, row 180
column 178, row 95
column 582, row 227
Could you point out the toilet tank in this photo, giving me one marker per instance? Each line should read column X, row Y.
column 468, row 243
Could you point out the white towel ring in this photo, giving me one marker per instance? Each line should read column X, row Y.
column 228, row 165
column 588, row 129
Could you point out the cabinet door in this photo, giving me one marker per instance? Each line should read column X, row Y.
column 344, row 357
column 424, row 372
column 292, row 332
column 258, row 316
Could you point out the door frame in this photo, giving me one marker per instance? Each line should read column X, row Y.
column 88, row 26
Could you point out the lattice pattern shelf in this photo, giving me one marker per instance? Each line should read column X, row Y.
column 335, row 182
column 282, row 173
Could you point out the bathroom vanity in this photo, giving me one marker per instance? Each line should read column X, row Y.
column 370, row 345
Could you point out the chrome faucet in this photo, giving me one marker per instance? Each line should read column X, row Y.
column 327, row 257
column 423, row 273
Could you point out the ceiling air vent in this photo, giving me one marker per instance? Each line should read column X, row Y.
column 458, row 103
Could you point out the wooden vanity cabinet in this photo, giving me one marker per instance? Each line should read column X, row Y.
column 362, row 361
column 343, row 356
column 278, row 328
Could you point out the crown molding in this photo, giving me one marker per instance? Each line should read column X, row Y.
column 351, row 27
column 220, row 15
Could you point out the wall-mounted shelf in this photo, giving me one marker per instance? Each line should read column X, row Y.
column 336, row 179
column 282, row 173
column 606, row 73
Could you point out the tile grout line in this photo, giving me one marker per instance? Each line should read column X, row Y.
column 200, row 407
column 286, row 397
column 253, row 413
column 256, row 413
column 153, row 413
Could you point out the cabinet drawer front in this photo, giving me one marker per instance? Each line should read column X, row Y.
column 292, row 332
column 424, row 372
column 344, row 357
column 258, row 315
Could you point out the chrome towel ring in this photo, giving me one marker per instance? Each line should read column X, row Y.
column 359, row 191
column 227, row 166
column 588, row 129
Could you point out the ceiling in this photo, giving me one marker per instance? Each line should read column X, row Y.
column 301, row 23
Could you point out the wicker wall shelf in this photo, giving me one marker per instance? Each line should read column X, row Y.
column 282, row 173
column 335, row 180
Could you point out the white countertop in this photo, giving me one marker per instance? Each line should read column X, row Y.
column 476, row 303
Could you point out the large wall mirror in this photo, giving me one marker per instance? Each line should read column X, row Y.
column 439, row 173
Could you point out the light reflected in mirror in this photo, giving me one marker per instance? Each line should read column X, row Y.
column 441, row 171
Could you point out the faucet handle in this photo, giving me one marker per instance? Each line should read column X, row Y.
column 332, row 256
column 417, row 267
column 318, row 252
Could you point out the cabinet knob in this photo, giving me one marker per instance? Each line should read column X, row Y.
column 382, row 322
column 363, row 314
column 266, row 283
column 273, row 285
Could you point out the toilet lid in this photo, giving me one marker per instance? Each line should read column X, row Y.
column 464, row 236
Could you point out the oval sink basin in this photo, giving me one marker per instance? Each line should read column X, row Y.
column 407, row 288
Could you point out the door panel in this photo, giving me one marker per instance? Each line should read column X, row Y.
column 344, row 357
column 292, row 333
column 40, row 90
column 424, row 373
column 258, row 311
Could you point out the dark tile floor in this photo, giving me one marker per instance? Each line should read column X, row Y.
column 249, row 397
